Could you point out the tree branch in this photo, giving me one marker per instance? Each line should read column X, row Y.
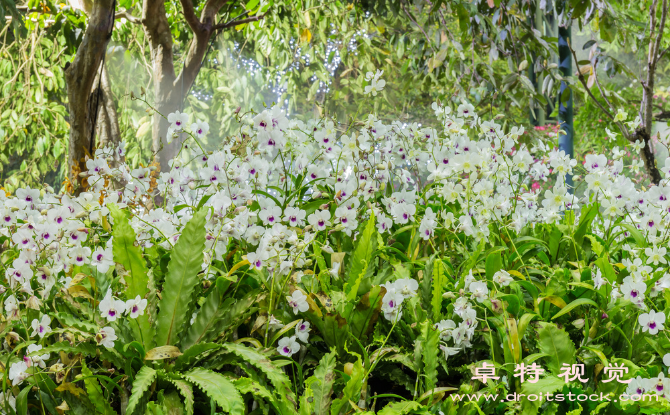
column 126, row 15
column 189, row 14
column 233, row 23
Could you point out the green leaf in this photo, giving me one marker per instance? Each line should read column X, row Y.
column 363, row 317
column 22, row 401
column 573, row 305
column 588, row 214
column 546, row 385
column 361, row 258
column 186, row 390
column 320, row 385
column 430, row 339
column 219, row 388
column 94, row 392
column 439, row 281
column 65, row 346
column 606, row 269
column 143, row 380
column 281, row 382
column 181, row 279
column 400, row 408
column 557, row 344
column 352, row 390
column 130, row 256
column 217, row 315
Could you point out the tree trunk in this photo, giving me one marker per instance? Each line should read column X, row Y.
column 80, row 77
column 647, row 154
column 108, row 131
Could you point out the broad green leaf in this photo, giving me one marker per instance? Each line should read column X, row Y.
column 361, row 259
column 181, row 279
column 573, row 305
column 217, row 315
column 130, row 256
column 400, row 408
column 281, row 382
column 94, row 392
column 219, row 388
column 320, row 385
column 143, row 380
column 363, row 317
column 558, row 345
column 439, row 281
column 546, row 385
column 186, row 390
column 352, row 390
column 430, row 339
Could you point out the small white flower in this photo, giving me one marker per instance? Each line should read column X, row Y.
column 106, row 337
column 288, row 346
column 177, row 120
column 37, row 359
column 136, row 306
column 199, row 128
column 445, row 327
column 479, row 290
column 18, row 372
column 298, row 301
column 502, row 278
column 652, row 321
column 41, row 327
column 319, row 219
column 302, row 330
column 110, row 308
column 102, row 259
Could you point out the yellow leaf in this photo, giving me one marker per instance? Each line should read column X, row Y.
column 70, row 387
column 78, row 278
column 305, row 36
column 516, row 274
column 62, row 408
column 162, row 352
column 308, row 21
column 557, row 301
column 239, row 265
column 78, row 291
column 620, row 265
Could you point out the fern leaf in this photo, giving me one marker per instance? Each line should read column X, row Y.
column 219, row 388
column 430, row 343
column 320, row 385
column 186, row 390
column 217, row 315
column 181, row 279
column 276, row 376
column 95, row 392
column 130, row 256
column 361, row 259
column 438, row 287
column 400, row 408
column 143, row 380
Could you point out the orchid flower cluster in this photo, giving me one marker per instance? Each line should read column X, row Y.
column 281, row 188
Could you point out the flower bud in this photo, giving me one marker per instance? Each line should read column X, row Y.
column 82, row 214
column 191, row 185
column 362, row 185
column 348, row 368
column 44, row 212
column 448, row 295
column 324, row 206
column 579, row 323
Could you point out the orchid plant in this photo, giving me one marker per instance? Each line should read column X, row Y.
column 316, row 267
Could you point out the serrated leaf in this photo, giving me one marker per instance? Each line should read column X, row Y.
column 361, row 258
column 400, row 408
column 186, row 390
column 275, row 375
column 217, row 315
column 439, row 282
column 430, row 342
column 219, row 388
column 320, row 385
column 352, row 390
column 181, row 279
column 130, row 256
column 558, row 345
column 143, row 380
column 94, row 391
